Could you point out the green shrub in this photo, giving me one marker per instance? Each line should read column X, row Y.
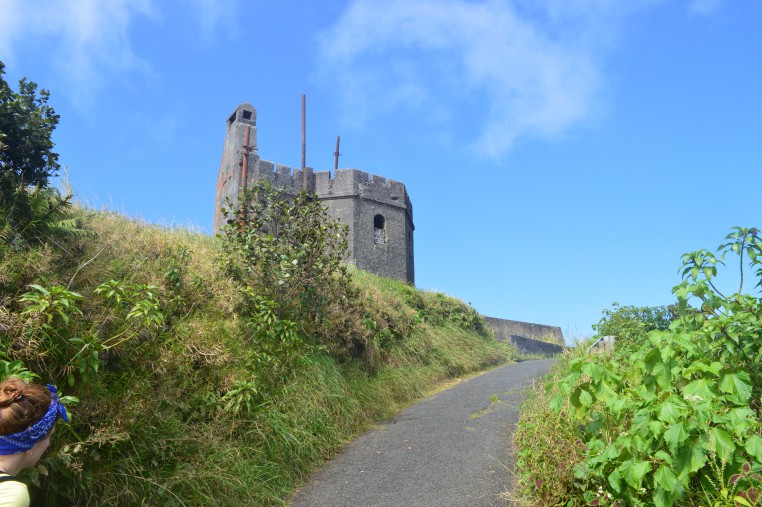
column 631, row 324
column 674, row 419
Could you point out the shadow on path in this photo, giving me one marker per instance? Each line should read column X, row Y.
column 452, row 449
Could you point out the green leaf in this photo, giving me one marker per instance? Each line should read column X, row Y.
column 641, row 444
column 703, row 366
column 671, row 410
column 610, row 454
column 39, row 288
column 605, row 391
column 722, row 442
column 616, row 404
column 663, row 456
column 663, row 498
column 633, row 471
column 663, row 373
column 615, row 480
column 754, row 446
column 738, row 385
column 715, row 368
column 700, row 390
column 585, row 398
column 557, row 402
column 689, row 459
column 665, row 478
column 652, row 358
column 740, row 419
column 656, row 428
column 581, row 398
column 593, row 370
column 675, row 435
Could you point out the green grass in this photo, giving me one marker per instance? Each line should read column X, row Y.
column 547, row 445
column 152, row 428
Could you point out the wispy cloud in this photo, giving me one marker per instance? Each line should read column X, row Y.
column 85, row 39
column 91, row 41
column 537, row 64
column 214, row 16
column 705, row 7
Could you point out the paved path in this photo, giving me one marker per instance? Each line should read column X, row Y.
column 449, row 450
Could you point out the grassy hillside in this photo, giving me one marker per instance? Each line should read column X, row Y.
column 192, row 390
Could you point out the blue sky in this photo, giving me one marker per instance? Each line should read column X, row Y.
column 560, row 154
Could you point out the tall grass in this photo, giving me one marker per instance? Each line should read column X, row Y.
column 547, row 444
column 185, row 412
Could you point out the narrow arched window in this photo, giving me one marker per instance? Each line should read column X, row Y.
column 379, row 230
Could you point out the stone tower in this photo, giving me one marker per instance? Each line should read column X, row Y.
column 377, row 211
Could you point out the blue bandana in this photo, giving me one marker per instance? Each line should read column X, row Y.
column 25, row 440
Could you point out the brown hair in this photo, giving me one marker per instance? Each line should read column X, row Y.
column 21, row 405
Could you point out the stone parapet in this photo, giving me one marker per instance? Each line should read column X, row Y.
column 504, row 328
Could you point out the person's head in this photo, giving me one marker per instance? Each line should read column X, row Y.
column 27, row 415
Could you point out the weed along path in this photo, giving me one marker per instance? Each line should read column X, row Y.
column 452, row 449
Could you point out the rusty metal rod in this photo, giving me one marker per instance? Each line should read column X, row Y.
column 244, row 167
column 245, row 162
column 304, row 132
column 336, row 155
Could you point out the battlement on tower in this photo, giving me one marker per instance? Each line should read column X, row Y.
column 282, row 177
column 356, row 183
column 343, row 183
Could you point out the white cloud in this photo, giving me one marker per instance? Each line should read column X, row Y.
column 215, row 15
column 536, row 64
column 84, row 38
column 91, row 41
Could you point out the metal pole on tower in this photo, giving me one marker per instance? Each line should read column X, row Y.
column 304, row 132
column 336, row 155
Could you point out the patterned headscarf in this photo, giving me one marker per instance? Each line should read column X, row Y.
column 25, row 440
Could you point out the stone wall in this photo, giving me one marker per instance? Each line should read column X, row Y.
column 504, row 328
column 527, row 337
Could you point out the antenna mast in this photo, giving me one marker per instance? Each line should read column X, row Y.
column 336, row 155
column 304, row 132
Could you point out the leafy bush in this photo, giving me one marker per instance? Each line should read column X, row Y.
column 30, row 212
column 26, row 126
column 674, row 419
column 287, row 253
column 630, row 324
column 287, row 248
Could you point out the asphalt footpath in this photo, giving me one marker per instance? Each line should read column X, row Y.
column 453, row 449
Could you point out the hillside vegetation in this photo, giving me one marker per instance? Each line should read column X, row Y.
column 194, row 388
column 200, row 370
column 672, row 417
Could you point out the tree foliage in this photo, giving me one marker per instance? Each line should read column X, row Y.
column 289, row 258
column 631, row 324
column 286, row 246
column 26, row 127
column 30, row 211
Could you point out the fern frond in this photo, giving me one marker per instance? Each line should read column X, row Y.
column 38, row 215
